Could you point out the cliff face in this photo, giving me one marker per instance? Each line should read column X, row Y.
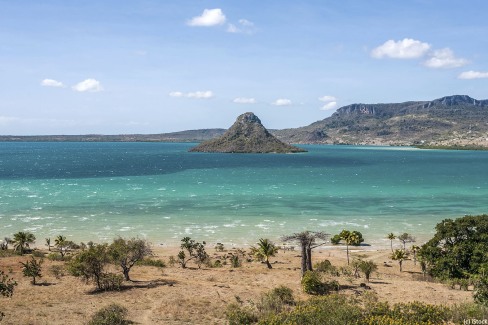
column 457, row 120
column 246, row 135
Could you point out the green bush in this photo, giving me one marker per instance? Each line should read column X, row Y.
column 464, row 311
column 111, row 315
column 37, row 253
column 151, row 262
column 57, row 270
column 111, row 282
column 326, row 266
column 56, row 257
column 237, row 315
column 235, row 261
column 313, row 285
column 276, row 300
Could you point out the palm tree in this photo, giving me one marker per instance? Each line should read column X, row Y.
column 61, row 243
column 391, row 237
column 22, row 240
column 265, row 250
column 399, row 255
column 351, row 238
column 415, row 250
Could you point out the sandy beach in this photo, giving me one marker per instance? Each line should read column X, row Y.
column 173, row 295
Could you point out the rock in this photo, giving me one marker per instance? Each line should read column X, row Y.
column 246, row 135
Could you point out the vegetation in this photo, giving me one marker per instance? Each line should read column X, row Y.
column 367, row 267
column 63, row 245
column 111, row 315
column 391, row 237
column 195, row 251
column 22, row 240
column 354, row 238
column 312, row 284
column 48, row 244
column 307, row 240
column 6, row 288
column 126, row 253
column 90, row 264
column 399, row 255
column 264, row 250
column 406, row 238
column 32, row 269
column 458, row 248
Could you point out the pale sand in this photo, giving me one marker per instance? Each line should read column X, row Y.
column 200, row 296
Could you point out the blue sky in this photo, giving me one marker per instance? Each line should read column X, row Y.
column 150, row 66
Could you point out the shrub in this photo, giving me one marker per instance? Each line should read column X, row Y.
column 235, row 261
column 151, row 262
column 172, row 261
column 237, row 315
column 326, row 266
column 110, row 281
column 37, row 253
column 219, row 247
column 367, row 267
column 55, row 257
column 57, row 271
column 481, row 293
column 32, row 269
column 313, row 285
column 111, row 315
column 276, row 300
column 464, row 311
column 420, row 313
column 195, row 251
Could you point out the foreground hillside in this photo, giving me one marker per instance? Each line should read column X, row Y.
column 173, row 295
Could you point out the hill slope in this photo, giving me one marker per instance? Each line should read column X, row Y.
column 448, row 121
column 246, row 135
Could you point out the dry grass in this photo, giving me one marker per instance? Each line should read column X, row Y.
column 199, row 296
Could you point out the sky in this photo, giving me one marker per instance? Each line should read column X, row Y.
column 152, row 66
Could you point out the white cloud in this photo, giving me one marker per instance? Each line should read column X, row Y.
column 200, row 94
column 90, row 85
column 197, row 94
column 327, row 99
column 52, row 83
column 282, row 102
column 405, row 49
column 244, row 100
column 176, row 94
column 473, row 75
column 444, row 58
column 209, row 17
column 328, row 106
column 244, row 26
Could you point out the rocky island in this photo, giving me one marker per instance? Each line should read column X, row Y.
column 246, row 135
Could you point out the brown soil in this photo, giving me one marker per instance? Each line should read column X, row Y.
column 199, row 296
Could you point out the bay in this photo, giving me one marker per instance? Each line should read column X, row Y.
column 159, row 191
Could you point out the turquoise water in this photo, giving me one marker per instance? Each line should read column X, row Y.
column 159, row 191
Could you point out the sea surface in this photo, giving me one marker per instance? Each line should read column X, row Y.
column 160, row 191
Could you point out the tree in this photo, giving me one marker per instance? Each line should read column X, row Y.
column 399, row 255
column 63, row 245
column 391, row 237
column 6, row 288
column 32, row 269
column 458, row 248
column 90, row 264
column 22, row 240
column 127, row 253
column 264, row 251
column 415, row 250
column 307, row 240
column 48, row 244
column 406, row 238
column 5, row 243
column 354, row 238
column 195, row 251
column 367, row 267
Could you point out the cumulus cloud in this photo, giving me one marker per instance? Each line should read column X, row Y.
column 51, row 83
column 444, row 58
column 282, row 102
column 330, row 102
column 197, row 94
column 405, row 49
column 244, row 100
column 243, row 26
column 209, row 17
column 328, row 106
column 473, row 75
column 90, row 85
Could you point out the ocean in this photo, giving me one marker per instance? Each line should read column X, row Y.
column 161, row 192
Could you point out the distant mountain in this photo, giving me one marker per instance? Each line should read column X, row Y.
column 246, row 135
column 448, row 121
column 452, row 121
